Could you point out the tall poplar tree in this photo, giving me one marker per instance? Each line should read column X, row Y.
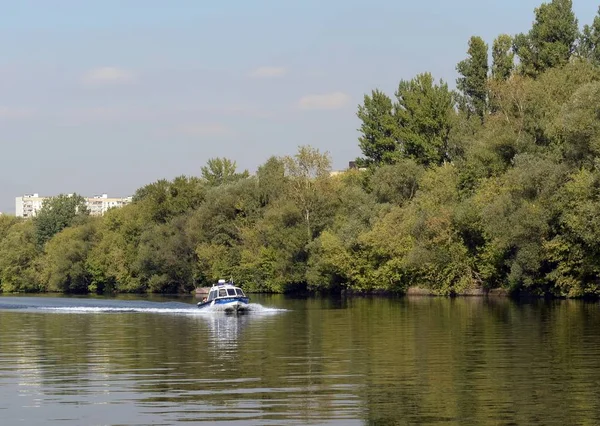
column 589, row 43
column 502, row 57
column 425, row 112
column 378, row 140
column 551, row 40
column 474, row 72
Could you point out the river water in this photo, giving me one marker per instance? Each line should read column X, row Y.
column 356, row 361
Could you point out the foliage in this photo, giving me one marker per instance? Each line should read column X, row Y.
column 164, row 200
column 425, row 117
column 58, row 213
column 578, row 126
column 502, row 57
column 551, row 40
column 18, row 254
column 474, row 72
column 379, row 130
column 416, row 126
column 63, row 267
column 497, row 187
column 219, row 171
column 397, row 183
column 271, row 180
column 589, row 41
column 309, row 175
column 165, row 258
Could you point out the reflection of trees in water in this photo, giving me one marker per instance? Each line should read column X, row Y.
column 412, row 360
column 479, row 361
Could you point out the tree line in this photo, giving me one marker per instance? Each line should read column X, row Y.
column 493, row 185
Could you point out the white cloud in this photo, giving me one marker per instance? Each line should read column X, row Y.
column 108, row 75
column 240, row 110
column 165, row 114
column 204, row 129
column 334, row 100
column 269, row 72
column 15, row 113
column 103, row 114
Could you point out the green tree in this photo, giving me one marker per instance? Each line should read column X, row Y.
column 18, row 255
column 425, row 115
column 163, row 199
column 309, row 173
column 6, row 223
column 217, row 228
column 578, row 126
column 502, row 57
column 589, row 42
column 225, row 212
column 112, row 260
column 63, row 267
column 336, row 259
column 166, row 259
column 551, row 41
column 573, row 254
column 474, row 72
column 517, row 210
column 396, row 183
column 547, row 95
column 379, row 130
column 273, row 255
column 271, row 180
column 219, row 171
column 57, row 213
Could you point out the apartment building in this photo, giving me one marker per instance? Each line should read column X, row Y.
column 29, row 204
column 351, row 166
column 99, row 204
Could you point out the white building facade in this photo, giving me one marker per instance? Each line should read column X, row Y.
column 29, row 204
column 99, row 204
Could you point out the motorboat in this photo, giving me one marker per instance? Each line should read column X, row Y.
column 227, row 297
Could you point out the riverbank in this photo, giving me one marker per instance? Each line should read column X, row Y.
column 481, row 292
column 413, row 291
column 425, row 292
column 416, row 291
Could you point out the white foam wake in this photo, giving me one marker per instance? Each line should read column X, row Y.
column 253, row 308
column 96, row 309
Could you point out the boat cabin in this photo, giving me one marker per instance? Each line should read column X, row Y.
column 223, row 289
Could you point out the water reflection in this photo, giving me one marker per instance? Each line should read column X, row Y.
column 344, row 361
column 224, row 333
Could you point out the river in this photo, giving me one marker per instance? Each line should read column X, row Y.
column 355, row 361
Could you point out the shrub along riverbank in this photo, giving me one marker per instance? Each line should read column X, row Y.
column 493, row 186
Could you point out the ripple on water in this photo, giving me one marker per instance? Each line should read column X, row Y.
column 367, row 361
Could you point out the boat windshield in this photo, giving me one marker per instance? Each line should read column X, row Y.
column 226, row 292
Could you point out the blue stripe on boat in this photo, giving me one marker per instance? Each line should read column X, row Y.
column 230, row 300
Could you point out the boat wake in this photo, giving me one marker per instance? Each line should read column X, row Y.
column 95, row 306
column 253, row 308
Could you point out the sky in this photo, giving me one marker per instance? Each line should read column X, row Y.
column 105, row 96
